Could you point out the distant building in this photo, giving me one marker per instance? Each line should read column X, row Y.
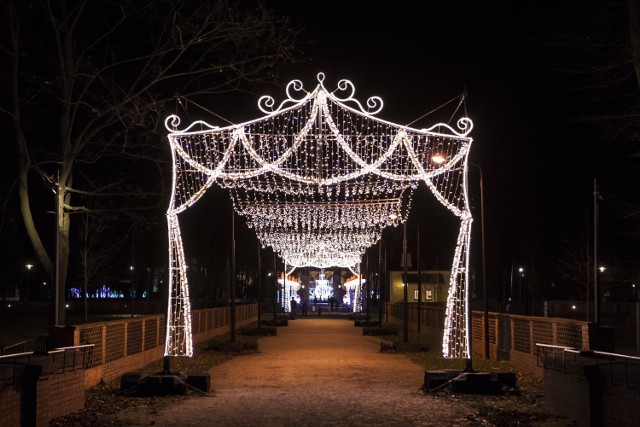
column 433, row 283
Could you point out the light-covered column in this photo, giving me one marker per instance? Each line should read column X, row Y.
column 455, row 341
column 178, row 341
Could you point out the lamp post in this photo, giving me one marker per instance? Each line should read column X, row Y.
column 233, row 277
column 259, row 289
column 148, row 286
column 520, row 276
column 405, row 308
column 28, row 266
column 419, row 280
column 382, row 271
column 275, row 288
column 636, row 295
column 484, row 269
column 132, row 290
column 596, row 300
column 367, row 283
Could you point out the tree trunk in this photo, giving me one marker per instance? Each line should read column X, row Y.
column 63, row 222
column 24, row 161
column 27, row 217
column 85, row 269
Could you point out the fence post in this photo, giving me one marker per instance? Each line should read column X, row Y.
column 586, row 343
column 144, row 324
column 103, row 356
column 638, row 327
column 126, row 336
column 532, row 345
column 512, row 334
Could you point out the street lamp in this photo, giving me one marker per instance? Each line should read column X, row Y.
column 596, row 293
column 484, row 269
column 520, row 276
column 259, row 288
column 438, row 159
column 132, row 291
column 148, row 285
column 29, row 266
column 405, row 280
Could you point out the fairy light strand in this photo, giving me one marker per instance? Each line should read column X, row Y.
column 319, row 178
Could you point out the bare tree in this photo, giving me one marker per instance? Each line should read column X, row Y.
column 634, row 37
column 98, row 246
column 603, row 51
column 102, row 74
column 574, row 264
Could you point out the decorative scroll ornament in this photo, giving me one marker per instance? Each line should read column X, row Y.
column 319, row 178
column 266, row 103
column 464, row 124
column 172, row 122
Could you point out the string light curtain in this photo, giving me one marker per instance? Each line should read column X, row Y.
column 319, row 178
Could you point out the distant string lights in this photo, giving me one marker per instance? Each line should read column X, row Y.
column 319, row 178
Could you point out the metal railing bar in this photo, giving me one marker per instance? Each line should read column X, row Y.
column 23, row 354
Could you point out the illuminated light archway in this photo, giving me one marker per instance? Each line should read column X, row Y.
column 290, row 286
column 319, row 178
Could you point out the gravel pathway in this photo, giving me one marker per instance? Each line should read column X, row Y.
column 315, row 372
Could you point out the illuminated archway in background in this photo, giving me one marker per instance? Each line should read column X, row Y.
column 319, row 178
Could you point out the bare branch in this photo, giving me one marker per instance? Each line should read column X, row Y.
column 88, row 103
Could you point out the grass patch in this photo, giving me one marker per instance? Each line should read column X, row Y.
column 522, row 407
column 202, row 361
column 203, row 357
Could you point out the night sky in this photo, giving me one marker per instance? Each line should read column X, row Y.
column 528, row 92
column 525, row 67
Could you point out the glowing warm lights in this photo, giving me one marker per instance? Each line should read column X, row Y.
column 290, row 288
column 323, row 289
column 319, row 178
column 355, row 283
column 438, row 159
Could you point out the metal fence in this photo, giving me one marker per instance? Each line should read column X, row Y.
column 36, row 345
column 116, row 339
column 56, row 361
column 623, row 317
column 431, row 315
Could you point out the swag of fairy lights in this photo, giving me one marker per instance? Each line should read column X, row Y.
column 319, row 178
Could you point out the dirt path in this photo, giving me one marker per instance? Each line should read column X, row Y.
column 314, row 372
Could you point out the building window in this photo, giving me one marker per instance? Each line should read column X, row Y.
column 428, row 295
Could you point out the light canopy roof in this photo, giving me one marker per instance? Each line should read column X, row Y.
column 318, row 178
